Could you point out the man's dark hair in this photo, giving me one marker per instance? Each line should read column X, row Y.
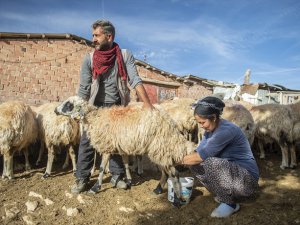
column 106, row 25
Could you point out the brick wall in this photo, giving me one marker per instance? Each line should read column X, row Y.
column 39, row 71
column 156, row 92
column 185, row 90
column 195, row 91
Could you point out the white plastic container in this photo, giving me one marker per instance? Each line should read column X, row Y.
column 186, row 189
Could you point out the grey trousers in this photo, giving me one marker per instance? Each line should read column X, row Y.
column 85, row 160
column 228, row 181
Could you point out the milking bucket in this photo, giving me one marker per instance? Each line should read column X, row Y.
column 186, row 189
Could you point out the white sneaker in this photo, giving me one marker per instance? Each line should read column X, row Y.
column 224, row 210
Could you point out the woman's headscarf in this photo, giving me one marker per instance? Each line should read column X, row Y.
column 208, row 106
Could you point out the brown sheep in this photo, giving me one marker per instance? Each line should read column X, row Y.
column 296, row 129
column 275, row 122
column 240, row 116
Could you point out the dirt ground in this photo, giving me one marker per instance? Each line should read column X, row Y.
column 277, row 203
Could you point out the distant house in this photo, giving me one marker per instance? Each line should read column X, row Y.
column 259, row 94
column 161, row 85
column 256, row 94
column 38, row 68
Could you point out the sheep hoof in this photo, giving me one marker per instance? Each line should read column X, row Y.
column 27, row 168
column 176, row 202
column 293, row 166
column 45, row 176
column 283, row 167
column 38, row 163
column 158, row 190
column 4, row 177
column 128, row 182
column 65, row 166
column 95, row 189
column 139, row 174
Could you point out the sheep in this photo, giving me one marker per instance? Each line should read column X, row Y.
column 56, row 131
column 296, row 139
column 240, row 115
column 295, row 107
column 18, row 129
column 180, row 109
column 275, row 122
column 131, row 130
column 181, row 112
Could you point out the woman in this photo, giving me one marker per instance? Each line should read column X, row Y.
column 223, row 162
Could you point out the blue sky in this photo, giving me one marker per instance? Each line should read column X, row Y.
column 213, row 39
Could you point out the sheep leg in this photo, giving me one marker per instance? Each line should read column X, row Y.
column 27, row 163
column 49, row 162
column 73, row 158
column 97, row 186
column 293, row 156
column 8, row 162
column 162, row 182
column 285, row 156
column 94, row 165
column 174, row 176
column 139, row 165
column 262, row 154
column 42, row 148
column 189, row 136
column 125, row 159
column 4, row 167
column 66, row 163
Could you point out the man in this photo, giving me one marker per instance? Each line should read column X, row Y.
column 103, row 82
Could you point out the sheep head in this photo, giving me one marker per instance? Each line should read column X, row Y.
column 74, row 107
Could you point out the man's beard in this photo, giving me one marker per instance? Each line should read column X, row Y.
column 103, row 46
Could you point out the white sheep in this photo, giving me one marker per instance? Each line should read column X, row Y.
column 18, row 129
column 180, row 110
column 275, row 123
column 55, row 132
column 131, row 130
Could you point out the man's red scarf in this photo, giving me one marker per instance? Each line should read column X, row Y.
column 104, row 60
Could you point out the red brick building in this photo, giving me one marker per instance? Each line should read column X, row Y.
column 39, row 68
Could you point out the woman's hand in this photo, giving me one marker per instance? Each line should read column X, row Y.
column 191, row 159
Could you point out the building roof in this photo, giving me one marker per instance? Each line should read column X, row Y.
column 252, row 88
column 10, row 36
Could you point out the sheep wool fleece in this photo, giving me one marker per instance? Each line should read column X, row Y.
column 105, row 91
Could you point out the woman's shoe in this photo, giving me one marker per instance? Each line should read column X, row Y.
column 224, row 210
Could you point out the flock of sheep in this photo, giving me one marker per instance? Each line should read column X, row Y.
column 165, row 134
